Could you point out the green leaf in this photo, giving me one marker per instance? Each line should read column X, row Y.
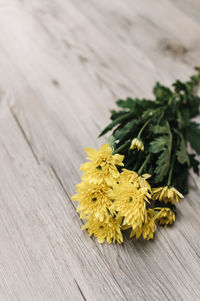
column 117, row 114
column 193, row 135
column 162, row 166
column 125, row 104
column 111, row 141
column 127, row 129
column 194, row 106
column 115, row 122
column 159, row 144
column 163, row 145
column 168, row 114
column 179, row 87
column 136, row 106
column 161, row 93
column 180, row 120
column 148, row 113
column 185, row 115
column 159, row 129
column 194, row 79
column 181, row 153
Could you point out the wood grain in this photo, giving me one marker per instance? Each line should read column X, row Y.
column 62, row 66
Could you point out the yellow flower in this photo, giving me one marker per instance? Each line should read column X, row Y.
column 165, row 216
column 109, row 231
column 128, row 176
column 102, row 167
column 143, row 181
column 148, row 228
column 166, row 194
column 129, row 202
column 93, row 199
column 132, row 177
column 137, row 144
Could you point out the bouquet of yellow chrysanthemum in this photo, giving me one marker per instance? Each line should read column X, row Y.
column 148, row 148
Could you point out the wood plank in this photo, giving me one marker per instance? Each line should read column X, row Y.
column 66, row 62
column 190, row 8
column 156, row 30
column 44, row 255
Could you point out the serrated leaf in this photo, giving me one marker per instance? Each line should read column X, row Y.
column 180, row 87
column 126, row 104
column 159, row 129
column 163, row 145
column 136, row 105
column 181, row 153
column 159, row 144
column 162, row 166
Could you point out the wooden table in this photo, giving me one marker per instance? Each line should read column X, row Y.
column 63, row 63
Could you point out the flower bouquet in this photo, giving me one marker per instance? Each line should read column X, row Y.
column 134, row 181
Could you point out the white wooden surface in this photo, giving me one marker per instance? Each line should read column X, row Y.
column 63, row 63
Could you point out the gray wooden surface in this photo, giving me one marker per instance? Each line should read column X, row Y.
column 63, row 63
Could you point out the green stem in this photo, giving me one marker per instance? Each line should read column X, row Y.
column 170, row 150
column 170, row 172
column 134, row 168
column 146, row 123
column 144, row 164
column 121, row 147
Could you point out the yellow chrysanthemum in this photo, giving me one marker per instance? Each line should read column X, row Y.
column 109, row 231
column 137, row 144
column 132, row 177
column 93, row 199
column 148, row 228
column 127, row 175
column 165, row 216
column 102, row 167
column 166, row 194
column 129, row 202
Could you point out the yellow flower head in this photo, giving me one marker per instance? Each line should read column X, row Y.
column 165, row 216
column 129, row 202
column 93, row 199
column 166, row 194
column 102, row 167
column 148, row 228
column 128, row 176
column 132, row 177
column 137, row 144
column 109, row 231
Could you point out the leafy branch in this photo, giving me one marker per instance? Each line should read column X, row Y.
column 164, row 126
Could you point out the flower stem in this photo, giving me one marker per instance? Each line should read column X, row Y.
column 170, row 172
column 144, row 164
column 146, row 123
column 121, row 147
